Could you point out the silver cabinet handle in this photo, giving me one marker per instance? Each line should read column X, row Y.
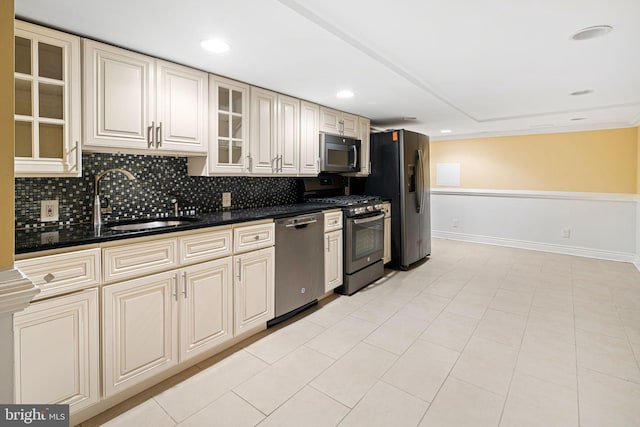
column 328, row 243
column 184, row 279
column 281, row 159
column 250, row 163
column 150, row 135
column 175, row 286
column 159, row 135
column 239, row 274
column 274, row 164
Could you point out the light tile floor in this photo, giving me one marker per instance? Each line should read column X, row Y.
column 477, row 336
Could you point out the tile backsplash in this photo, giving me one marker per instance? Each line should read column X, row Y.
column 158, row 180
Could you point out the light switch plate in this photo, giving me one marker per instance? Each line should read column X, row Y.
column 48, row 210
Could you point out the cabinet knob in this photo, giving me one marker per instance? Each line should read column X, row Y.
column 257, row 237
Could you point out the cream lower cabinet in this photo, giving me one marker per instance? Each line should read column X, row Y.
column 333, row 250
column 206, row 307
column 57, row 351
column 139, row 330
column 253, row 289
column 155, row 322
column 386, row 257
column 333, row 260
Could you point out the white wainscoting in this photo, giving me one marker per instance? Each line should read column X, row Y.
column 601, row 225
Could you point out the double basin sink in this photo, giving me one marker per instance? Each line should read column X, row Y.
column 148, row 223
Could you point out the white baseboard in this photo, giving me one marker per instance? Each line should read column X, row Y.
column 544, row 247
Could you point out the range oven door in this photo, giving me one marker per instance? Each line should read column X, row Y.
column 364, row 241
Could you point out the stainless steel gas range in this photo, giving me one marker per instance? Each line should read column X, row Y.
column 363, row 237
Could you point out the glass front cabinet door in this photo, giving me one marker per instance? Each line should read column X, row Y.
column 47, row 102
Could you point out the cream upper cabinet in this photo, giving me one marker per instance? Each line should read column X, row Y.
column 57, row 344
column 135, row 103
column 47, row 102
column 253, row 289
column 228, row 130
column 182, row 108
column 364, row 134
column 309, row 138
column 288, row 135
column 263, row 131
column 275, row 133
column 338, row 122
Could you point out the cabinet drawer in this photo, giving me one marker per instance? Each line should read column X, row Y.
column 137, row 259
column 332, row 221
column 63, row 273
column 205, row 246
column 253, row 237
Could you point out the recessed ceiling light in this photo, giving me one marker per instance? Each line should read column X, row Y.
column 592, row 32
column 344, row 94
column 215, row 45
column 445, row 131
column 581, row 92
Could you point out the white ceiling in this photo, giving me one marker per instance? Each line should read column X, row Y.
column 479, row 68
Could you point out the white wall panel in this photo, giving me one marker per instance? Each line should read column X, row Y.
column 600, row 225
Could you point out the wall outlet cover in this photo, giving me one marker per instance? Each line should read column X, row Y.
column 49, row 210
column 226, row 200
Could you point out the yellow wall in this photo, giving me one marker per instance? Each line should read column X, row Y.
column 6, row 135
column 638, row 164
column 603, row 161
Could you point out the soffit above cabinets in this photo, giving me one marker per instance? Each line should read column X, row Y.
column 477, row 68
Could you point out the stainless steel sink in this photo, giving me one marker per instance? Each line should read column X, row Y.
column 148, row 224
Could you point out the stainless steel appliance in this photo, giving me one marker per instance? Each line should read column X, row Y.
column 363, row 237
column 339, row 153
column 299, row 264
column 400, row 172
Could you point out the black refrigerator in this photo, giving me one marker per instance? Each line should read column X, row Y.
column 400, row 172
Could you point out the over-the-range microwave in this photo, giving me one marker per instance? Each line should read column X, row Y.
column 339, row 153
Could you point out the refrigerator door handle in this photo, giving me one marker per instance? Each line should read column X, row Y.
column 420, row 183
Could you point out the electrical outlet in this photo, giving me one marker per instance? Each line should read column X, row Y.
column 48, row 210
column 226, row 200
column 566, row 233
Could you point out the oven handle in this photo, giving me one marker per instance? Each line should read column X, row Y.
column 366, row 220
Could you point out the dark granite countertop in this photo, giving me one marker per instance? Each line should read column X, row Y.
column 40, row 239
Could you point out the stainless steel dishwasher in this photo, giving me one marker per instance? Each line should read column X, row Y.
column 299, row 264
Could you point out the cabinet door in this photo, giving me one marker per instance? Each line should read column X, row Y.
column 139, row 330
column 309, row 139
column 182, row 107
column 364, row 137
column 228, row 127
column 332, row 260
column 263, row 131
column 206, row 304
column 47, row 102
column 386, row 257
column 119, row 102
column 349, row 125
column 330, row 120
column 253, row 289
column 288, row 135
column 57, row 351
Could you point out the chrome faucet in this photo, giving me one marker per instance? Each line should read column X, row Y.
column 97, row 212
